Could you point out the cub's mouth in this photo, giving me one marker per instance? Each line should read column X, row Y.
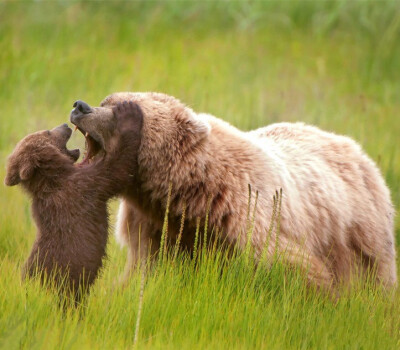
column 93, row 148
column 60, row 136
column 73, row 153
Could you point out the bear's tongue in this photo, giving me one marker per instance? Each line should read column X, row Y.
column 91, row 149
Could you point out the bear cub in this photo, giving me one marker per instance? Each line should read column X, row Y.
column 69, row 200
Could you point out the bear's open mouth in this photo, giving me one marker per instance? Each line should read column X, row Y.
column 92, row 148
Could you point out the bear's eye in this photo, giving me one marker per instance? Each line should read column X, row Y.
column 48, row 132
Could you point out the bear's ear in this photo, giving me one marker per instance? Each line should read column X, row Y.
column 198, row 126
column 17, row 172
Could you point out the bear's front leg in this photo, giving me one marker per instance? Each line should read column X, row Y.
column 141, row 236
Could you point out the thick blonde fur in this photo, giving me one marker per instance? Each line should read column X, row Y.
column 336, row 217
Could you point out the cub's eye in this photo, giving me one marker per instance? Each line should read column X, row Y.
column 48, row 132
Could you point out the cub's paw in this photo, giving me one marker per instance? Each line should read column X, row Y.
column 129, row 115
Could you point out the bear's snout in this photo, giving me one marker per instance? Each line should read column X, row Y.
column 81, row 110
column 81, row 107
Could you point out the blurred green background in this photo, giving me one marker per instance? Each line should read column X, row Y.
column 335, row 64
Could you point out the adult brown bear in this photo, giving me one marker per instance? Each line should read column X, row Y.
column 69, row 200
column 336, row 217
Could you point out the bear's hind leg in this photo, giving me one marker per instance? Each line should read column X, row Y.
column 314, row 269
column 375, row 254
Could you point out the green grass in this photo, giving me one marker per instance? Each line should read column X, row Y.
column 331, row 63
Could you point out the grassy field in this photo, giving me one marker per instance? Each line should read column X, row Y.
column 333, row 64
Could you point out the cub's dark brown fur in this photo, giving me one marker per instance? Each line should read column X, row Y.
column 69, row 201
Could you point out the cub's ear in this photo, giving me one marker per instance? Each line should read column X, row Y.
column 12, row 177
column 18, row 171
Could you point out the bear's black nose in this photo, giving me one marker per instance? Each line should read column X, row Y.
column 82, row 107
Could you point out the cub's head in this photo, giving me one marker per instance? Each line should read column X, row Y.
column 41, row 154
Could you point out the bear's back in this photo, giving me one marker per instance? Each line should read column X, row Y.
column 336, row 164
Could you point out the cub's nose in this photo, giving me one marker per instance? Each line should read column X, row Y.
column 62, row 130
column 61, row 127
column 82, row 107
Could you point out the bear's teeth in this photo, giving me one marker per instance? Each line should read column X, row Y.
column 76, row 128
column 87, row 134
